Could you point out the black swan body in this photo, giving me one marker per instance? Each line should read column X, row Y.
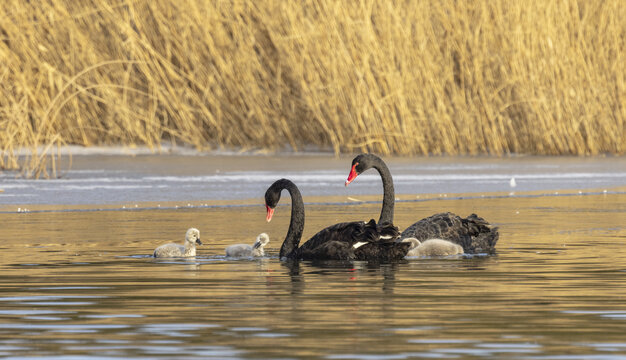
column 355, row 240
column 473, row 233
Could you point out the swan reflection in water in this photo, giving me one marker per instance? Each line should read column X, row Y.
column 298, row 270
column 375, row 272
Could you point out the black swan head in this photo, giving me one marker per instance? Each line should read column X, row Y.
column 360, row 164
column 272, row 196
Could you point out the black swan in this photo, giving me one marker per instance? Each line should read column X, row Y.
column 473, row 233
column 192, row 237
column 356, row 240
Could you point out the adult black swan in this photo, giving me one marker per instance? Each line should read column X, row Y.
column 473, row 233
column 356, row 240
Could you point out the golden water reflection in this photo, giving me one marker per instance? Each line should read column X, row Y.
column 82, row 283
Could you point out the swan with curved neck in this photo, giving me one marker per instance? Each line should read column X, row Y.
column 366, row 161
column 296, row 223
column 473, row 233
column 356, row 240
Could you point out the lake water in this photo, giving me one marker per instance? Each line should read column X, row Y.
column 79, row 284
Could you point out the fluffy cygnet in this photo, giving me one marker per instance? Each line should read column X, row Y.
column 175, row 250
column 245, row 250
column 433, row 247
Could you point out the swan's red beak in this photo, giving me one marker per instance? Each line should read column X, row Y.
column 353, row 174
column 270, row 213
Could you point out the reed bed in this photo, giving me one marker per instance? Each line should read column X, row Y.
column 391, row 77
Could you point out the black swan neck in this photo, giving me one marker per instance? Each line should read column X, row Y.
column 386, row 213
column 296, row 224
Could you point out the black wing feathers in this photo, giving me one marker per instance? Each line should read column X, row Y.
column 473, row 233
column 337, row 242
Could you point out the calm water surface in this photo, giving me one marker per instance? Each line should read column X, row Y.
column 81, row 285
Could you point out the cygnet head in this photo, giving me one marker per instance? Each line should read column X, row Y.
column 414, row 242
column 261, row 241
column 193, row 236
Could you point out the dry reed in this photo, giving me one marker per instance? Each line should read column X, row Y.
column 392, row 77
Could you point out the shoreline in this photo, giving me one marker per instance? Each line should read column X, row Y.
column 309, row 201
column 169, row 149
column 122, row 182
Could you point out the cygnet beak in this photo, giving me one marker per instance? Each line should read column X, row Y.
column 198, row 241
column 256, row 245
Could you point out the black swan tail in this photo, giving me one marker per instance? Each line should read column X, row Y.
column 483, row 235
column 473, row 233
column 386, row 231
column 383, row 246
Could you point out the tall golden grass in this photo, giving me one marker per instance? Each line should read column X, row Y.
column 392, row 77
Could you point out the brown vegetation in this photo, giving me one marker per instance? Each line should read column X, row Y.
column 392, row 77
